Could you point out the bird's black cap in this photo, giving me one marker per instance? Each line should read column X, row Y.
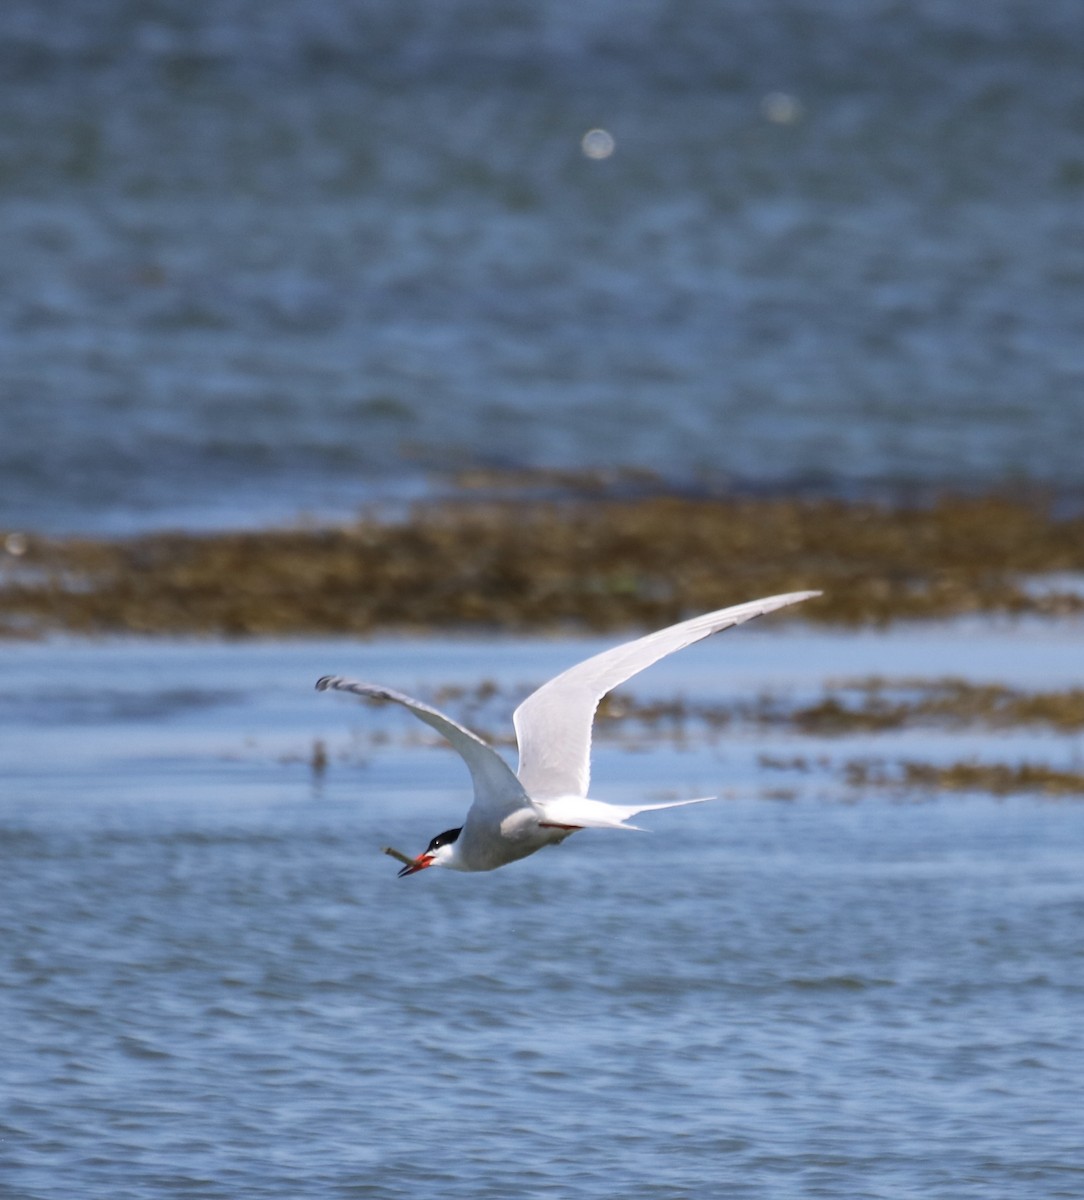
column 443, row 839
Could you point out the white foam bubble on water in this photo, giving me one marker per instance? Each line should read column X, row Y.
column 598, row 143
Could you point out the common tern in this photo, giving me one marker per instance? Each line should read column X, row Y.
column 515, row 814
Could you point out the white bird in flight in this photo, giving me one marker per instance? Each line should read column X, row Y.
column 546, row 800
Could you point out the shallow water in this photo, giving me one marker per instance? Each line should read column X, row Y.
column 254, row 265
column 213, row 985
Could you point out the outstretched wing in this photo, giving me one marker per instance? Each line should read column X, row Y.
column 497, row 791
column 553, row 725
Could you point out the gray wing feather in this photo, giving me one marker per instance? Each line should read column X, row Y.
column 496, row 788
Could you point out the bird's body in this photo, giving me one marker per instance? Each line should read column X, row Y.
column 516, row 813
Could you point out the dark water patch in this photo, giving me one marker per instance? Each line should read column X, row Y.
column 68, row 704
column 139, row 1048
column 844, row 983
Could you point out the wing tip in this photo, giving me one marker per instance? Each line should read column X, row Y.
column 768, row 604
column 794, row 597
column 340, row 683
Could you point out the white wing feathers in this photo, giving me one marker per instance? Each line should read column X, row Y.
column 553, row 725
column 496, row 787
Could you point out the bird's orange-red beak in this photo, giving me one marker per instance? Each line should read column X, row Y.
column 419, row 864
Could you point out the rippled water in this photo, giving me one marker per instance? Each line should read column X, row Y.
column 214, row 986
column 255, row 261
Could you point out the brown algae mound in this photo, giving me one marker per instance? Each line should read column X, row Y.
column 869, row 706
column 591, row 563
column 995, row 779
column 865, row 706
column 874, row 705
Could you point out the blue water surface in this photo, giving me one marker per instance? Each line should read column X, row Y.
column 259, row 260
column 213, row 985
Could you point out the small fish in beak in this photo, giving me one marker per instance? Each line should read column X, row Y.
column 412, row 865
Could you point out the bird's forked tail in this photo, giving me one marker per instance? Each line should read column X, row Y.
column 583, row 813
